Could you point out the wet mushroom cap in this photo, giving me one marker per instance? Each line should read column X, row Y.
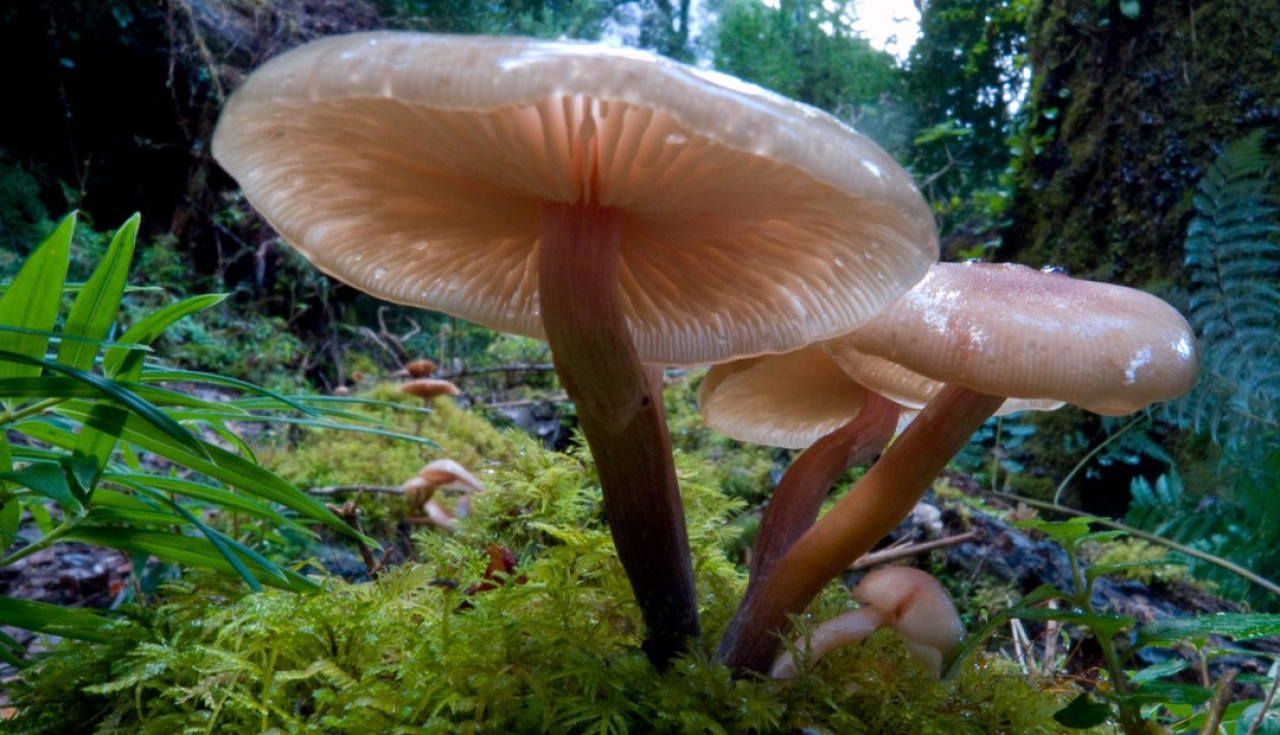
column 1010, row 330
column 789, row 400
column 417, row 168
column 909, row 389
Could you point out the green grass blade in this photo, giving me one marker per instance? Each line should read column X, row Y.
column 43, row 617
column 46, row 479
column 218, row 497
column 188, row 550
column 225, row 467
column 31, row 301
column 127, row 363
column 94, row 310
column 156, row 374
column 1237, row 626
column 121, row 394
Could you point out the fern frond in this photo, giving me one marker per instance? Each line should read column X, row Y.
column 1233, row 268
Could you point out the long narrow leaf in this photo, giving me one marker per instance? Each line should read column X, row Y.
column 53, row 386
column 224, row 544
column 31, row 301
column 181, row 549
column 156, row 374
column 226, row 467
column 216, row 496
column 120, row 393
column 43, row 617
column 126, row 363
column 94, row 310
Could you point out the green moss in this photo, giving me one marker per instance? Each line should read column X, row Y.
column 556, row 650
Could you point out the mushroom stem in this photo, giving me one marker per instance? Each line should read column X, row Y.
column 796, row 501
column 799, row 495
column 873, row 507
column 621, row 413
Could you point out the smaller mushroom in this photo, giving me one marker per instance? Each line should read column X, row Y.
column 989, row 332
column 441, row 474
column 420, row 368
column 428, row 389
column 908, row 600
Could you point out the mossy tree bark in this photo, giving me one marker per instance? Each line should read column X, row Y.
column 1123, row 117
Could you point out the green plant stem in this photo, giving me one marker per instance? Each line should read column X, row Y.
column 49, row 539
column 1232, row 567
column 1084, row 461
column 34, row 409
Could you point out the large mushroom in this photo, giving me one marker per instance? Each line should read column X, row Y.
column 988, row 331
column 630, row 209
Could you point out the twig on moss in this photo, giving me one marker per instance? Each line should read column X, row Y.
column 338, row 489
column 895, row 553
column 349, row 512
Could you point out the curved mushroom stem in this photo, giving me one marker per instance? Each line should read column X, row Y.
column 873, row 507
column 796, row 501
column 910, row 601
column 621, row 413
column 840, row 631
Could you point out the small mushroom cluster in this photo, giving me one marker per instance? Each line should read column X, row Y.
column 968, row 341
column 638, row 213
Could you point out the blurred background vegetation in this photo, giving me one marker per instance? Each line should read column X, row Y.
column 1126, row 140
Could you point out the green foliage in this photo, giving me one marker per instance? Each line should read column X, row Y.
column 1233, row 268
column 543, row 18
column 21, row 211
column 1129, row 697
column 87, row 418
column 808, row 51
column 964, row 73
column 554, row 648
column 1241, row 524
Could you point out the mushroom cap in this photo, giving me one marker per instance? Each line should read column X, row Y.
column 918, row 607
column 416, row 167
column 789, row 400
column 909, row 389
column 420, row 368
column 428, row 388
column 449, row 475
column 1010, row 330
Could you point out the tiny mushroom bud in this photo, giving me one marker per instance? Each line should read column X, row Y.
column 627, row 208
column 908, row 600
column 989, row 332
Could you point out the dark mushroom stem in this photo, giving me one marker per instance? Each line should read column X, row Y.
column 872, row 508
column 621, row 413
column 796, row 501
